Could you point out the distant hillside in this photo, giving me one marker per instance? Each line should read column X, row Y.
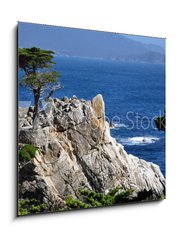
column 111, row 46
column 147, row 57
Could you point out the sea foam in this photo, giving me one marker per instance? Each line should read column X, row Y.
column 139, row 140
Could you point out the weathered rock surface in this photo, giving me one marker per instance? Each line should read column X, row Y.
column 76, row 151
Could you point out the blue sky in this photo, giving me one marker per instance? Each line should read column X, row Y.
column 61, row 39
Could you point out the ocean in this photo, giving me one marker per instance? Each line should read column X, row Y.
column 134, row 94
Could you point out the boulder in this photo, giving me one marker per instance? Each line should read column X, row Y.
column 37, row 137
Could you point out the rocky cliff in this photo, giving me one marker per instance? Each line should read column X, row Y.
column 76, row 151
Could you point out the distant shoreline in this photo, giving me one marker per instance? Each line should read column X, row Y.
column 106, row 59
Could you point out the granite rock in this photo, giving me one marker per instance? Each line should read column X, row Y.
column 77, row 151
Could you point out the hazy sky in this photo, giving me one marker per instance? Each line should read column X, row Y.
column 148, row 40
column 57, row 38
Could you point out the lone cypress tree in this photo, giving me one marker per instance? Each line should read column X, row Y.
column 36, row 64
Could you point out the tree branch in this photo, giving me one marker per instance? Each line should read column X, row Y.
column 56, row 87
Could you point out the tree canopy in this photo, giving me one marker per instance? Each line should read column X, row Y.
column 32, row 59
column 40, row 80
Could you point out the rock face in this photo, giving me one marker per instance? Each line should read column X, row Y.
column 161, row 122
column 77, row 151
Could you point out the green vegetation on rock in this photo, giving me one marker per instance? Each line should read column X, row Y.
column 30, row 206
column 75, row 203
column 27, row 152
column 89, row 198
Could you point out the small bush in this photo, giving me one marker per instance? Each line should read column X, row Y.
column 30, row 206
column 27, row 152
column 75, row 203
column 113, row 191
column 89, row 198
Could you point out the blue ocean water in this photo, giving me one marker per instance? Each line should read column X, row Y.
column 134, row 93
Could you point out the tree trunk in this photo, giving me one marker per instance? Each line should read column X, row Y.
column 36, row 107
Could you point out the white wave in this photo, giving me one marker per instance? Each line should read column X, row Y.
column 118, row 125
column 139, row 140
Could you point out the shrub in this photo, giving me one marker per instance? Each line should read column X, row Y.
column 30, row 206
column 75, row 203
column 89, row 198
column 27, row 152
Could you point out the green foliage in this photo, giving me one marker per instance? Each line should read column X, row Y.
column 123, row 196
column 27, row 152
column 162, row 197
column 40, row 80
column 89, row 198
column 30, row 206
column 35, row 61
column 32, row 59
column 75, row 203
